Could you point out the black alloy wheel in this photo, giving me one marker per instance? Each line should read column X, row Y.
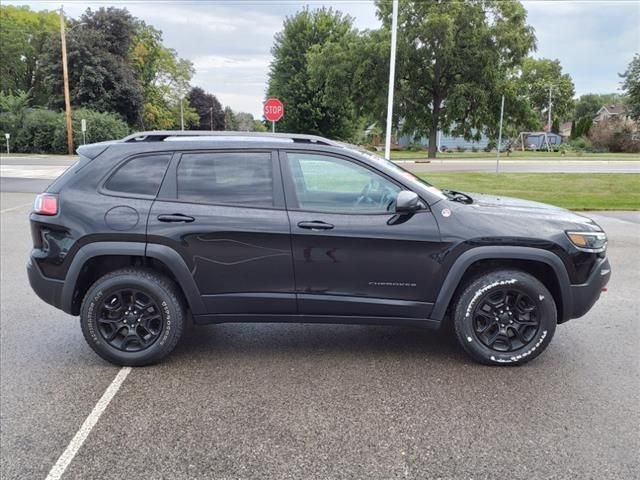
column 129, row 320
column 506, row 320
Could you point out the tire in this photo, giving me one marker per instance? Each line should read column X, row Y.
column 142, row 334
column 490, row 307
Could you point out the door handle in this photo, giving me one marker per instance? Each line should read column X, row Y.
column 315, row 225
column 175, row 218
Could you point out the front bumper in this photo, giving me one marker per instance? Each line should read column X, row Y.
column 48, row 289
column 584, row 296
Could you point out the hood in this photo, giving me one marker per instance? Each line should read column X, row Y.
column 507, row 206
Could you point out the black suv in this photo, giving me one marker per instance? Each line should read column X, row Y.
column 147, row 233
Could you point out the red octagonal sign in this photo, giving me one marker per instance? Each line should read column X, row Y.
column 273, row 109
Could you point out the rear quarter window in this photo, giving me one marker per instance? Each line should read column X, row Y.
column 140, row 175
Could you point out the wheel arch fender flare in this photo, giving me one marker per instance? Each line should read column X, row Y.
column 163, row 253
column 468, row 258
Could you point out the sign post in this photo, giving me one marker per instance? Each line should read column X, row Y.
column 83, row 125
column 273, row 110
column 7, row 136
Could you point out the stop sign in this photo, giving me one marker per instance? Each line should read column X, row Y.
column 273, row 109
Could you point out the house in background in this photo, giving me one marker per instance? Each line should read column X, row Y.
column 448, row 142
column 609, row 111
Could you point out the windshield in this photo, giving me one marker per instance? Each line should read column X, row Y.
column 394, row 166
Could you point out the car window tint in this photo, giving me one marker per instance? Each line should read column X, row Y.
column 140, row 175
column 331, row 184
column 242, row 178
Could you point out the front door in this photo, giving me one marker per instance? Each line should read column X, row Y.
column 223, row 212
column 352, row 254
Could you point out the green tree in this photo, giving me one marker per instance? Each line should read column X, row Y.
column 23, row 37
column 454, row 59
column 583, row 127
column 589, row 103
column 230, row 122
column 573, row 135
column 210, row 113
column 536, row 77
column 245, row 122
column 100, row 76
column 631, row 85
column 308, row 104
column 164, row 78
column 349, row 72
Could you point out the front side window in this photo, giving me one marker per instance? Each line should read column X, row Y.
column 330, row 184
column 226, row 178
column 140, row 175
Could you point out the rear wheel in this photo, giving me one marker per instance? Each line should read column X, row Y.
column 505, row 317
column 132, row 317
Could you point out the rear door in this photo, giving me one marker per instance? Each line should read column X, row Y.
column 223, row 212
column 352, row 254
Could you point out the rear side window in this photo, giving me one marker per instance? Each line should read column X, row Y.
column 232, row 178
column 140, row 175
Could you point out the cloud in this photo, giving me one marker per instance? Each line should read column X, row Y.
column 230, row 41
column 594, row 40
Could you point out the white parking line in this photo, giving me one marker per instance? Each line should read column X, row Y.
column 47, row 172
column 16, row 208
column 76, row 442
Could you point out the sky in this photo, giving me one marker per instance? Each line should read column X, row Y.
column 229, row 41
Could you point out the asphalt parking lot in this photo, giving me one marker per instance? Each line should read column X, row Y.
column 313, row 401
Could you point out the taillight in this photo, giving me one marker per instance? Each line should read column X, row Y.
column 46, row 204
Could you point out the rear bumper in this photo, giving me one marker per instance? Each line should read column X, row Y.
column 48, row 289
column 584, row 296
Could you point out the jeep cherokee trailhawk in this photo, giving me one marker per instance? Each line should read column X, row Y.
column 158, row 229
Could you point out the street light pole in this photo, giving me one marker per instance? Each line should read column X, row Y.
column 181, row 114
column 500, row 136
column 392, row 78
column 549, row 109
column 65, row 80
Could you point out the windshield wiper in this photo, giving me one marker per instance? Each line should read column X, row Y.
column 458, row 196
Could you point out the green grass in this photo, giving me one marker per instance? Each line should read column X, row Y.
column 453, row 155
column 577, row 191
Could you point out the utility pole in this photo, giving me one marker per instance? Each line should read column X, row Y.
column 65, row 80
column 500, row 136
column 211, row 117
column 392, row 78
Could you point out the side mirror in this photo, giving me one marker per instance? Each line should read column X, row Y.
column 407, row 202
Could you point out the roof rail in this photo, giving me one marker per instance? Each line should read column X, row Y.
column 162, row 135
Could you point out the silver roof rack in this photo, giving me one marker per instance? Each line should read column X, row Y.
column 221, row 136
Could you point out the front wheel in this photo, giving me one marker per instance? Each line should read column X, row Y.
column 132, row 317
column 505, row 317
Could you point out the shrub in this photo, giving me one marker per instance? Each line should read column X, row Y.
column 45, row 131
column 460, row 149
column 474, row 148
column 580, row 144
column 615, row 135
column 37, row 132
column 100, row 127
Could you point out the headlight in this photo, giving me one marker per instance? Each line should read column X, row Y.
column 592, row 242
